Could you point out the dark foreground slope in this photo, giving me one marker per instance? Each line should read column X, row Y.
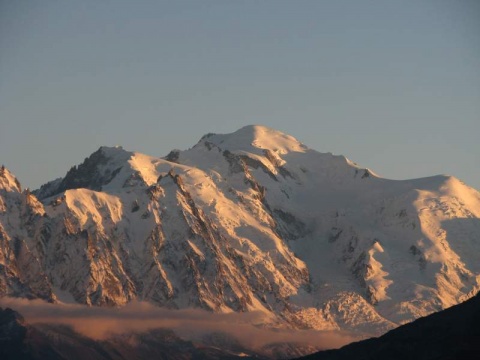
column 450, row 334
column 21, row 341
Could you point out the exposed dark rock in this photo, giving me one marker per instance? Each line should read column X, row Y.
column 335, row 235
column 236, row 165
column 288, row 226
column 85, row 175
column 275, row 162
column 135, row 206
column 173, row 156
column 256, row 164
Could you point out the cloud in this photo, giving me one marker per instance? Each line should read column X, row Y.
column 190, row 324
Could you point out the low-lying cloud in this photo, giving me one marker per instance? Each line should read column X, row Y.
column 190, row 324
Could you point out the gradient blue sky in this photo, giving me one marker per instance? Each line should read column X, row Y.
column 392, row 85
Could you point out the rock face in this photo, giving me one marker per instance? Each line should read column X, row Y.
column 449, row 334
column 22, row 216
column 248, row 221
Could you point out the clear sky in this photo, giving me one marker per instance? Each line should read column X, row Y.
column 392, row 85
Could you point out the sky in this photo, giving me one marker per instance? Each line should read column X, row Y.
column 392, row 85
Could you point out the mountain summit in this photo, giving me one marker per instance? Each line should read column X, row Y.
column 248, row 221
column 256, row 138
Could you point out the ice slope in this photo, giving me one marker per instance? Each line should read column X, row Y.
column 256, row 221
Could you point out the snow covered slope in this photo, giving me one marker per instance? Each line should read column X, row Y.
column 252, row 220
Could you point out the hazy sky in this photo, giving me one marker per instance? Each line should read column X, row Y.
column 392, row 85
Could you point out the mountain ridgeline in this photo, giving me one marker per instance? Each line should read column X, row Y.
column 248, row 221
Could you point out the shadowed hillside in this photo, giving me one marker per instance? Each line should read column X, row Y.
column 451, row 334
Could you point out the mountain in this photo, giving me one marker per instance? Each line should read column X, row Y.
column 22, row 341
column 446, row 335
column 248, row 221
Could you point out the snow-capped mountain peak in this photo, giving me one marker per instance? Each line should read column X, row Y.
column 252, row 220
column 8, row 182
column 255, row 139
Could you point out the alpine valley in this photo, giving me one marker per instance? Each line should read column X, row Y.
column 252, row 221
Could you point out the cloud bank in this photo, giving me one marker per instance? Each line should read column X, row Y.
column 190, row 324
